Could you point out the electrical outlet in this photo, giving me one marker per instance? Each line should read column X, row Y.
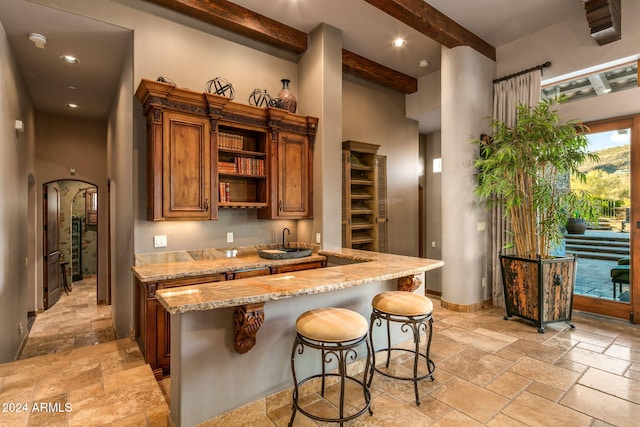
column 229, row 237
column 433, row 243
column 20, row 328
column 318, row 238
column 160, row 241
column 484, row 282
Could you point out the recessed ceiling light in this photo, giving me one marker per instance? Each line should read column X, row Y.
column 424, row 63
column 70, row 59
column 399, row 42
column 72, row 105
column 72, row 87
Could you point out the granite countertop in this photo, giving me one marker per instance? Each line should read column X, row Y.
column 366, row 267
column 161, row 266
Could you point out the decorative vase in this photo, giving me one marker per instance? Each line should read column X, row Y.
column 289, row 102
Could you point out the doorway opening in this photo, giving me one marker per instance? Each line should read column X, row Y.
column 604, row 282
column 70, row 237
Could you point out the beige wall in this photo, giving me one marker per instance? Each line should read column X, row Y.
column 17, row 245
column 377, row 116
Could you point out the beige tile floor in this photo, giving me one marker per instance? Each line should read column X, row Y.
column 488, row 372
column 494, row 372
column 73, row 372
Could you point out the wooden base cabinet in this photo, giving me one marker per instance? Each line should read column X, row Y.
column 153, row 322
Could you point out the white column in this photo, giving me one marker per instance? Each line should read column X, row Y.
column 321, row 86
column 467, row 93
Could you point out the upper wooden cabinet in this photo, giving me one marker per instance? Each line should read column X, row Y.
column 205, row 152
column 291, row 173
column 186, row 166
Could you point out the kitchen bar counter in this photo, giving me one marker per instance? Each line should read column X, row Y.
column 364, row 267
column 212, row 322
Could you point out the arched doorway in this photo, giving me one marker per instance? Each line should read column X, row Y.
column 72, row 231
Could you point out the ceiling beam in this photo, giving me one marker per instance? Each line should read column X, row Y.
column 377, row 73
column 258, row 27
column 434, row 24
column 605, row 20
column 240, row 20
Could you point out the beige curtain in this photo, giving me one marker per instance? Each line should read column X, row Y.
column 507, row 94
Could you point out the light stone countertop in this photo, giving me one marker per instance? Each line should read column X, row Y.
column 368, row 267
column 202, row 267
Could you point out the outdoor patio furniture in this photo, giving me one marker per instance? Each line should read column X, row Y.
column 620, row 275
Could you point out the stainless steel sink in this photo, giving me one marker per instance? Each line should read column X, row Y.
column 284, row 253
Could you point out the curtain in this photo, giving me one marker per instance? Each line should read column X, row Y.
column 507, row 94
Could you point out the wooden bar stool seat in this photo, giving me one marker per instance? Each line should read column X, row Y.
column 413, row 312
column 336, row 332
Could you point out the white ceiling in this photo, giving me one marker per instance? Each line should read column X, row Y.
column 366, row 31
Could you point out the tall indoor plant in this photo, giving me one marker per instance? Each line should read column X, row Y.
column 525, row 168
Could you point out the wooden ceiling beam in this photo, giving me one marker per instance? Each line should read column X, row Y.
column 605, row 20
column 377, row 73
column 258, row 27
column 240, row 20
column 434, row 24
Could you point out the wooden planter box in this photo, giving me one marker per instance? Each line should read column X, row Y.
column 539, row 290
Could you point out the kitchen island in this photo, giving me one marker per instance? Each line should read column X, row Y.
column 209, row 375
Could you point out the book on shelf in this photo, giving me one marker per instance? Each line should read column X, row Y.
column 249, row 166
column 224, row 188
column 227, row 167
column 230, row 141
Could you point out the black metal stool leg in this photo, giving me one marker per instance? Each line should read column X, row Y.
column 416, row 325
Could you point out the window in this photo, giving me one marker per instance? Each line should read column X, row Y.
column 598, row 83
column 91, row 206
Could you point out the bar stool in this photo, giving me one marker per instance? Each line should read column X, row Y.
column 336, row 332
column 413, row 312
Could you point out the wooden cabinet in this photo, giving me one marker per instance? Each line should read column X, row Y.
column 153, row 322
column 205, row 152
column 186, row 166
column 242, row 168
column 298, row 267
column 363, row 199
column 291, row 177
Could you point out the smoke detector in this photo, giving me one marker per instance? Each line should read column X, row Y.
column 38, row 39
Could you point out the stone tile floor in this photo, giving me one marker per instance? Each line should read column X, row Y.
column 75, row 320
column 73, row 371
column 488, row 372
column 498, row 373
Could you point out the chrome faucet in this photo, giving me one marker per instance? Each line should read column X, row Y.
column 289, row 233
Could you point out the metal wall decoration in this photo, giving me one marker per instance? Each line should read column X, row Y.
column 220, row 86
column 162, row 79
column 260, row 98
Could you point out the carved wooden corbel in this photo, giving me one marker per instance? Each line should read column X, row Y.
column 409, row 283
column 247, row 319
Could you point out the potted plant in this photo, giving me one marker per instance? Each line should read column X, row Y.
column 526, row 169
column 586, row 212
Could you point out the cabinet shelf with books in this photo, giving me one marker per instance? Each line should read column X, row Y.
column 242, row 175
